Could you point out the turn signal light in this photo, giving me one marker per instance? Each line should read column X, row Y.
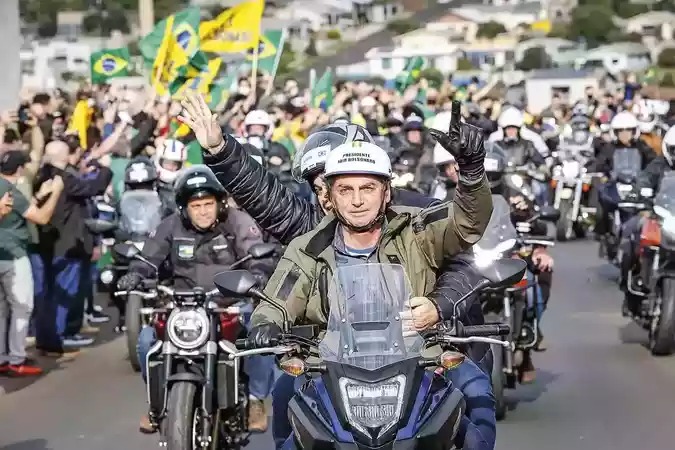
column 522, row 283
column 293, row 366
column 586, row 187
column 554, row 183
column 650, row 235
column 450, row 360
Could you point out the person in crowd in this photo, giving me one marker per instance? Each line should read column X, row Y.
column 64, row 244
column 16, row 277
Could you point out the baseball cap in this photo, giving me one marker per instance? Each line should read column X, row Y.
column 11, row 160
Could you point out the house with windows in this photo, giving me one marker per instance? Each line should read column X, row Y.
column 659, row 25
column 540, row 85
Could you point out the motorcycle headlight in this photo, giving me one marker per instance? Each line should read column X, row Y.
column 139, row 245
column 188, row 329
column 624, row 190
column 570, row 169
column 517, row 180
column 373, row 405
column 107, row 277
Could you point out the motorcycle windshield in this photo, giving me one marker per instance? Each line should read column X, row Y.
column 626, row 163
column 500, row 234
column 140, row 211
column 365, row 325
column 665, row 197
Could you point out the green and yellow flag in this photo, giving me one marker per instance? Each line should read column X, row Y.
column 191, row 80
column 270, row 48
column 410, row 74
column 109, row 63
column 322, row 92
column 172, row 47
column 235, row 30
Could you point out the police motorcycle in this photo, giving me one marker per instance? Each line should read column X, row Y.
column 197, row 395
column 656, row 271
column 404, row 167
column 626, row 164
column 370, row 382
column 514, row 305
column 572, row 182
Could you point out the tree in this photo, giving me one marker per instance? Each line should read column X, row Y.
column 594, row 23
column 464, row 64
column 490, row 30
column 402, row 26
column 668, row 80
column 667, row 58
column 534, row 58
column 97, row 24
column 47, row 28
column 311, row 47
column 433, row 76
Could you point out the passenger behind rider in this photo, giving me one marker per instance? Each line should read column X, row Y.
column 522, row 210
column 625, row 132
column 649, row 182
column 202, row 238
column 170, row 157
column 360, row 195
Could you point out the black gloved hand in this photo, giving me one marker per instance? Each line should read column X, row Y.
column 465, row 143
column 129, row 281
column 265, row 335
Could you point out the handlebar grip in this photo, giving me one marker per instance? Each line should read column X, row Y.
column 491, row 329
column 242, row 344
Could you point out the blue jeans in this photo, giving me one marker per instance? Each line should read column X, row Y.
column 477, row 430
column 540, row 191
column 54, row 301
column 260, row 369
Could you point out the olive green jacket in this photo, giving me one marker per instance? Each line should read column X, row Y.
column 418, row 239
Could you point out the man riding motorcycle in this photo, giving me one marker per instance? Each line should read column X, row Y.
column 170, row 157
column 202, row 238
column 285, row 216
column 513, row 115
column 649, row 182
column 358, row 176
column 625, row 134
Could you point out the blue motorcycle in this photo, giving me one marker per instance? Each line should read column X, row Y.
column 371, row 381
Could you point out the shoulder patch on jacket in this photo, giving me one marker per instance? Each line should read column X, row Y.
column 430, row 215
column 287, row 284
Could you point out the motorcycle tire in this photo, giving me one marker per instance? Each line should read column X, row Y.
column 179, row 422
column 134, row 324
column 498, row 381
column 662, row 331
column 564, row 228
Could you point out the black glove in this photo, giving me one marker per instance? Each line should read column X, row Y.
column 265, row 335
column 129, row 281
column 465, row 143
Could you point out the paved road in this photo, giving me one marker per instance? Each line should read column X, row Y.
column 598, row 387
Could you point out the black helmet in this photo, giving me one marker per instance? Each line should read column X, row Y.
column 140, row 170
column 495, row 164
column 310, row 159
column 195, row 182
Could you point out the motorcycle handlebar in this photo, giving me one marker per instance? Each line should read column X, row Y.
column 492, row 329
column 190, row 293
column 148, row 295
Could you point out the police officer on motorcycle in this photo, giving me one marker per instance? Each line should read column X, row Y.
column 625, row 133
column 141, row 175
column 202, row 238
column 648, row 184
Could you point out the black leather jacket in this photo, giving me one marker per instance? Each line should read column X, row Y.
column 286, row 216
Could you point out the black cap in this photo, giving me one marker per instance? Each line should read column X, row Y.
column 11, row 160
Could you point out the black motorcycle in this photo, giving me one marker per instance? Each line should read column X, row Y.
column 197, row 390
column 369, row 386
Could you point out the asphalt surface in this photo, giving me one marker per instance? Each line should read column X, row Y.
column 598, row 387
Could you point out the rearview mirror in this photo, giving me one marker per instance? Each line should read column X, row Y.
column 549, row 214
column 504, row 272
column 259, row 251
column 99, row 226
column 235, row 283
column 126, row 250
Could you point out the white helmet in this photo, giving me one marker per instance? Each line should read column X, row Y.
column 358, row 158
column 259, row 117
column 625, row 121
column 170, row 150
column 668, row 146
column 511, row 117
column 647, row 123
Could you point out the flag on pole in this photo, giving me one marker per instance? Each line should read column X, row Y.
column 236, row 29
column 410, row 74
column 109, row 63
column 322, row 92
column 80, row 121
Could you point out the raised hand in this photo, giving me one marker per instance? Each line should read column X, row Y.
column 465, row 143
column 197, row 115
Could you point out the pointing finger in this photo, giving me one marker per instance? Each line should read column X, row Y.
column 455, row 118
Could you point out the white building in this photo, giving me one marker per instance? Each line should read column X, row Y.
column 552, row 46
column 655, row 24
column 509, row 16
column 615, row 58
column 42, row 63
column 540, row 86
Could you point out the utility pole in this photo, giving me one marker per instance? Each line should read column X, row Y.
column 146, row 14
column 10, row 36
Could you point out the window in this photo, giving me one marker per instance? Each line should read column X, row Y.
column 386, row 63
column 28, row 66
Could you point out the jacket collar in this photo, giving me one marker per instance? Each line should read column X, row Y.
column 324, row 233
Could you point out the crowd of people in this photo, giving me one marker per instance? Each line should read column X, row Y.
column 267, row 180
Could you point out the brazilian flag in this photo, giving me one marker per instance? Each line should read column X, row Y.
column 108, row 64
column 322, row 91
column 410, row 75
